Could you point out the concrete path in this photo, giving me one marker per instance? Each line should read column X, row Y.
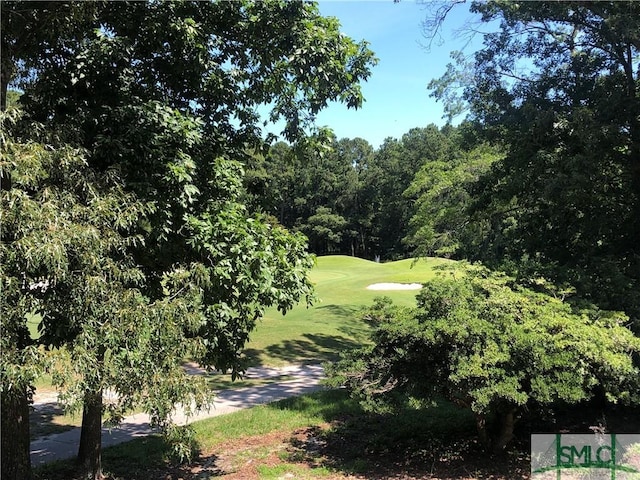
column 65, row 445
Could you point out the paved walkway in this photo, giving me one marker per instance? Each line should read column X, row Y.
column 306, row 379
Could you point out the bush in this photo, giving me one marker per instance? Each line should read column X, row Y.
column 493, row 347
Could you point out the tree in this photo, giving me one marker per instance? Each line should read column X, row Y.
column 443, row 188
column 325, row 230
column 377, row 192
column 390, row 173
column 65, row 238
column 558, row 83
column 58, row 229
column 307, row 187
column 164, row 96
column 328, row 186
column 355, row 157
column 20, row 269
column 219, row 60
column 495, row 348
column 276, row 183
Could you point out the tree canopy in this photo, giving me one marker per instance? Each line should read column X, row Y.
column 557, row 84
column 349, row 198
column 154, row 105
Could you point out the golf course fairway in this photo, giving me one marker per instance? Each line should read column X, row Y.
column 332, row 324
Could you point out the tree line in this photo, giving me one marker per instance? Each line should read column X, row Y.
column 350, row 199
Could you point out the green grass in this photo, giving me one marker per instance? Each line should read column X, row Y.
column 355, row 440
column 332, row 325
column 286, row 414
column 286, row 470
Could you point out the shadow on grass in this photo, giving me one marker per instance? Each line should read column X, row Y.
column 436, row 441
column 312, row 348
column 152, row 457
column 415, row 443
column 433, row 441
column 139, row 459
column 354, row 326
column 345, row 311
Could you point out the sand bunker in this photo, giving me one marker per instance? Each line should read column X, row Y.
column 395, row 286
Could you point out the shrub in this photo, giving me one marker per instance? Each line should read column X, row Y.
column 493, row 347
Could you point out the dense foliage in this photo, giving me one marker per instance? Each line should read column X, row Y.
column 483, row 342
column 66, row 233
column 146, row 253
column 557, row 85
column 409, row 196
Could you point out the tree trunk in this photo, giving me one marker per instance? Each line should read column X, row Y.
column 481, row 426
column 90, row 450
column 497, row 439
column 5, row 78
column 15, row 444
column 505, row 432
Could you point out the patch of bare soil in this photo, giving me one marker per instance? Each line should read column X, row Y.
column 240, row 459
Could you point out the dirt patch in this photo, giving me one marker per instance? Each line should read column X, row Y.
column 244, row 459
column 240, row 459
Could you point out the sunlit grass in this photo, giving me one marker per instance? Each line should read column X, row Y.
column 332, row 324
column 317, row 333
column 304, row 335
column 286, row 414
column 288, row 470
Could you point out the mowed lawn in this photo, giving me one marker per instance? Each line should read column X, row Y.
column 333, row 323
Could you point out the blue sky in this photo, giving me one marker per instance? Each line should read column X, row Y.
column 396, row 94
